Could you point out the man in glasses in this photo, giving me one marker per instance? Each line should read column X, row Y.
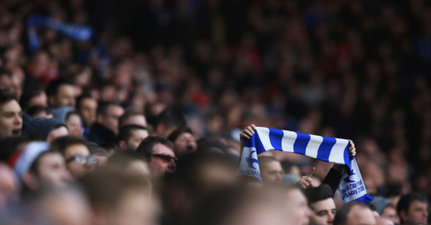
column 160, row 155
column 76, row 153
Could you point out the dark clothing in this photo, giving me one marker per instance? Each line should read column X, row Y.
column 333, row 179
column 100, row 134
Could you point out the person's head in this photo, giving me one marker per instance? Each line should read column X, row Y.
column 130, row 136
column 86, row 106
column 5, row 78
column 73, row 120
column 131, row 117
column 412, row 209
column 167, row 121
column 270, row 170
column 112, row 148
column 129, row 161
column 59, row 130
column 33, row 97
column 61, row 92
column 38, row 111
column 10, row 114
column 385, row 208
column 119, row 197
column 100, row 153
column 321, row 203
column 48, row 169
column 35, row 166
column 108, row 114
column 159, row 153
column 354, row 213
column 183, row 140
column 76, row 153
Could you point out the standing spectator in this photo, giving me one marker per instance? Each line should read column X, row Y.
column 10, row 114
column 270, row 170
column 160, row 155
column 61, row 92
column 412, row 209
column 322, row 204
column 183, row 140
column 105, row 129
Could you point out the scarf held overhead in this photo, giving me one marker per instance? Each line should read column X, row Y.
column 334, row 150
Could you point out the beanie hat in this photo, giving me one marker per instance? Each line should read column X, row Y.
column 21, row 161
column 380, row 202
column 60, row 113
column 39, row 127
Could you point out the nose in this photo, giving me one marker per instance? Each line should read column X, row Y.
column 18, row 119
column 331, row 217
column 279, row 177
column 172, row 164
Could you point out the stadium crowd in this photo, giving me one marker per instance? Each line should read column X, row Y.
column 144, row 122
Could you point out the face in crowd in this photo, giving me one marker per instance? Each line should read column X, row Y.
column 323, row 212
column 270, row 170
column 50, row 171
column 10, row 119
column 110, row 118
column 162, row 160
column 88, row 110
column 417, row 213
column 78, row 160
column 184, row 144
column 65, row 96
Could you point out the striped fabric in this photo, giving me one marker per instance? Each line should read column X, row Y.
column 327, row 149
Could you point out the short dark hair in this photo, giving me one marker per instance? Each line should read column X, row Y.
column 126, row 132
column 343, row 213
column 103, row 107
column 27, row 95
column 34, row 110
column 53, row 87
column 71, row 113
column 60, row 144
column 174, row 135
column 7, row 95
column 82, row 97
column 95, row 148
column 146, row 148
column 126, row 115
column 319, row 193
column 170, row 118
column 406, row 200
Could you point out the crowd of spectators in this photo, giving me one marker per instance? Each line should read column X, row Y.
column 157, row 99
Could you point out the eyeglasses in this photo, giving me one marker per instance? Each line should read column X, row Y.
column 81, row 160
column 165, row 158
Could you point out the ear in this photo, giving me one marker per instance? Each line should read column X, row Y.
column 30, row 180
column 403, row 215
column 122, row 145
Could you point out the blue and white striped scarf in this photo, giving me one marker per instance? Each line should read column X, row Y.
column 334, row 150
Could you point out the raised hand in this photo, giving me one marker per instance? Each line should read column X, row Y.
column 306, row 181
column 247, row 132
column 352, row 149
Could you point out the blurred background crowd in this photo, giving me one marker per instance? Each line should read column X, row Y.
column 354, row 69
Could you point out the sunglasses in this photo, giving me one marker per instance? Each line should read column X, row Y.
column 165, row 158
column 81, row 160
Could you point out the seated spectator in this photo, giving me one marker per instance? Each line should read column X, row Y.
column 321, row 202
column 131, row 136
column 33, row 97
column 412, row 209
column 105, row 129
column 118, row 198
column 37, row 112
column 159, row 154
column 100, row 153
column 131, row 117
column 37, row 167
column 61, row 92
column 86, row 106
column 76, row 154
column 183, row 140
column 354, row 213
column 10, row 114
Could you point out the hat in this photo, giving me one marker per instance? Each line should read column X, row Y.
column 380, row 202
column 21, row 161
column 60, row 113
column 39, row 127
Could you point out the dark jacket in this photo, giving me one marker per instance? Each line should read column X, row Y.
column 100, row 134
